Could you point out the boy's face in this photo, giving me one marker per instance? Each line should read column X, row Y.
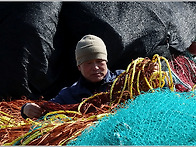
column 93, row 70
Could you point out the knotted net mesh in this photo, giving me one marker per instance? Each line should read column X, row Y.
column 159, row 118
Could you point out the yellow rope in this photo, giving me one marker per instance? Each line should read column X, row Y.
column 193, row 88
column 6, row 114
column 113, row 84
column 155, row 58
column 59, row 112
column 130, row 73
column 36, row 134
column 123, row 89
column 133, row 74
column 147, row 79
column 32, row 122
column 7, row 122
column 138, row 79
column 84, row 101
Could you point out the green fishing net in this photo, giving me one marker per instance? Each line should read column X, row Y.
column 160, row 118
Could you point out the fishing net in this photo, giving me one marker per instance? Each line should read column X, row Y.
column 185, row 69
column 12, row 125
column 159, row 118
column 64, row 123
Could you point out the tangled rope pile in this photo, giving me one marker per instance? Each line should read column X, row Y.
column 63, row 123
column 186, row 71
column 12, row 124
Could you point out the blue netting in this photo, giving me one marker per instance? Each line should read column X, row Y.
column 159, row 118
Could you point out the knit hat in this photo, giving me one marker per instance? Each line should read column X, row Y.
column 90, row 47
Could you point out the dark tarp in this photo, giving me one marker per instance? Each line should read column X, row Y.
column 38, row 39
column 26, row 44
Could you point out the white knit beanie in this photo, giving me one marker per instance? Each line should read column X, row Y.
column 90, row 47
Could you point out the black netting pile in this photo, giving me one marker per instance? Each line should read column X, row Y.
column 37, row 39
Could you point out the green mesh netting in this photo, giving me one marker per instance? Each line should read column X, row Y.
column 159, row 118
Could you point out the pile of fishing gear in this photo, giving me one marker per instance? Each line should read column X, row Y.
column 143, row 106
